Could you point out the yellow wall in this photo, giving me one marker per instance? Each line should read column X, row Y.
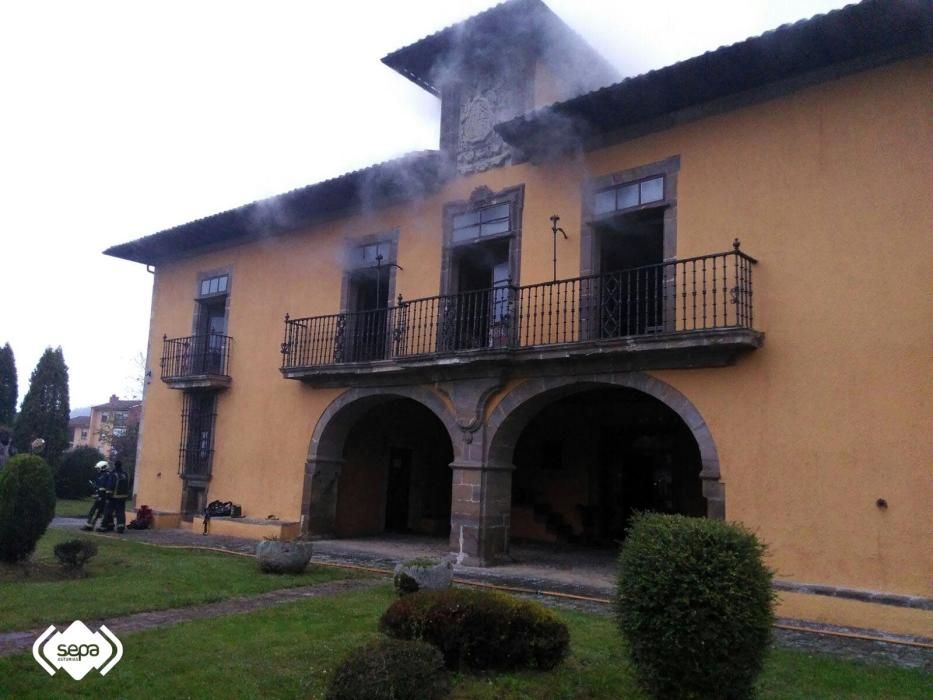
column 828, row 188
column 77, row 440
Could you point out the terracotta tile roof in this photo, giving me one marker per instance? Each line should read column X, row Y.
column 823, row 47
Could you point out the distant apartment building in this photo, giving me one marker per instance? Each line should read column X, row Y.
column 79, row 428
column 112, row 420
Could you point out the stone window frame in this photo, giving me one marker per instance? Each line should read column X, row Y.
column 669, row 168
column 199, row 299
column 391, row 238
column 481, row 197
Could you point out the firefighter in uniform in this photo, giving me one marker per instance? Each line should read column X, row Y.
column 106, row 523
column 116, row 500
column 100, row 495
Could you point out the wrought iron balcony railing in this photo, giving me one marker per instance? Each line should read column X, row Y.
column 704, row 293
column 195, row 356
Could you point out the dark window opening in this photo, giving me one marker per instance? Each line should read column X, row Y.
column 367, row 321
column 632, row 284
column 477, row 316
column 210, row 335
column 213, row 316
column 369, row 289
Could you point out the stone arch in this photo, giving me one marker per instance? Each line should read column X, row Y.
column 522, row 403
column 325, row 452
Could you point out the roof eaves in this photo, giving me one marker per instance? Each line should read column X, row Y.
column 302, row 206
column 400, row 59
column 119, row 405
column 415, row 60
column 780, row 53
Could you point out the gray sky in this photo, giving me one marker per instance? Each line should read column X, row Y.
column 119, row 119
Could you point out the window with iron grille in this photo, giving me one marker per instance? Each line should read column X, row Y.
column 196, row 452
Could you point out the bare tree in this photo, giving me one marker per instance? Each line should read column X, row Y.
column 136, row 379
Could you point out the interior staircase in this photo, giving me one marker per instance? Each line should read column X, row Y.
column 552, row 525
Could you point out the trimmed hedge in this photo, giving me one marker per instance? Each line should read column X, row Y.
column 75, row 471
column 27, row 505
column 391, row 669
column 695, row 604
column 480, row 630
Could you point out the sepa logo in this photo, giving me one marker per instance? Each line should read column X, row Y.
column 77, row 650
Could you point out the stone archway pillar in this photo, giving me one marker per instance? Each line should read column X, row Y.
column 480, row 512
column 714, row 491
column 320, row 495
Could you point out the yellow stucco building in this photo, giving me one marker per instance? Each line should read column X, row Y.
column 730, row 318
column 111, row 420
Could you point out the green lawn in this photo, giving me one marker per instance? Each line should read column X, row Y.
column 77, row 508
column 290, row 651
column 130, row 577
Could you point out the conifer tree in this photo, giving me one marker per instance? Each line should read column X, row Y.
column 45, row 410
column 8, row 389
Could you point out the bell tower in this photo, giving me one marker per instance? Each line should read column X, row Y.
column 493, row 67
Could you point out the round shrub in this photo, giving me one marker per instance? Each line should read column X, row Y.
column 74, row 554
column 480, row 630
column 27, row 505
column 391, row 669
column 695, row 605
column 75, row 471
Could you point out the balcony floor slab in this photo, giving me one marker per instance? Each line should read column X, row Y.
column 677, row 350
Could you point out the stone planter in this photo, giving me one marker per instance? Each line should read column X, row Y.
column 283, row 556
column 418, row 574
